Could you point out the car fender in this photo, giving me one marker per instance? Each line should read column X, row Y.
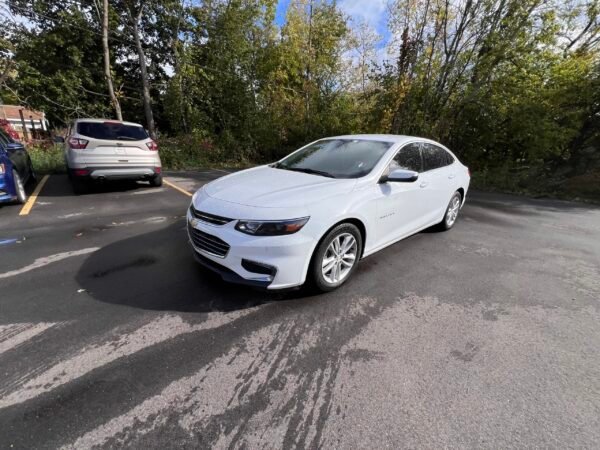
column 338, row 210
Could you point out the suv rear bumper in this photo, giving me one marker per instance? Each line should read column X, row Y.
column 116, row 173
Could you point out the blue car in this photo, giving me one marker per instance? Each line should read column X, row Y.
column 16, row 170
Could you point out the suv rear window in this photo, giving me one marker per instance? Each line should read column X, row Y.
column 111, row 131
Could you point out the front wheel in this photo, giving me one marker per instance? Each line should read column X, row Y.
column 336, row 257
column 451, row 212
column 19, row 188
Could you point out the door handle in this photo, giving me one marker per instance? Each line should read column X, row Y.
column 424, row 184
column 451, row 176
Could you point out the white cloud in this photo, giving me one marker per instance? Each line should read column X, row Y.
column 371, row 12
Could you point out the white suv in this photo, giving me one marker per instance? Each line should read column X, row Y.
column 100, row 149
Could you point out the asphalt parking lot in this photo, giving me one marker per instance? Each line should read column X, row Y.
column 486, row 336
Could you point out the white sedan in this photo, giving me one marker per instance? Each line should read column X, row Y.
column 313, row 215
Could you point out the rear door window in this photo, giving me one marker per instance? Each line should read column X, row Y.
column 111, row 131
column 408, row 157
column 435, row 157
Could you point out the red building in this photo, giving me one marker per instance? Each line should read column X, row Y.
column 26, row 123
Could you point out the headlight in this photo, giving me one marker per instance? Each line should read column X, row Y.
column 271, row 227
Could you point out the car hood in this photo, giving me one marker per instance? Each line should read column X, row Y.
column 268, row 187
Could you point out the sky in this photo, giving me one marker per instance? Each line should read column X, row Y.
column 372, row 12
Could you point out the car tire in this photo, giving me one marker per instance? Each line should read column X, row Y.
column 19, row 188
column 156, row 181
column 451, row 213
column 320, row 278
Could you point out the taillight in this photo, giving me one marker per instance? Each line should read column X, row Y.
column 2, row 169
column 81, row 172
column 152, row 146
column 77, row 143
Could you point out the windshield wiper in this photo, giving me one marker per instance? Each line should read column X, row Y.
column 306, row 170
column 125, row 138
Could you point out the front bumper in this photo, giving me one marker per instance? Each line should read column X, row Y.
column 287, row 256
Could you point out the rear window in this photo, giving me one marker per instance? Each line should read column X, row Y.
column 435, row 157
column 111, row 131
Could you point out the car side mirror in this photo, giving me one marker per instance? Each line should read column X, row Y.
column 59, row 139
column 401, row 176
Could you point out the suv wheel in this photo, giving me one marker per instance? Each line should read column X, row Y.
column 156, row 181
column 335, row 258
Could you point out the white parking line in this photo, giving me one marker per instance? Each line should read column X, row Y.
column 148, row 191
column 115, row 346
column 15, row 334
column 41, row 262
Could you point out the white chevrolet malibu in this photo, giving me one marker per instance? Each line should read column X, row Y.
column 313, row 215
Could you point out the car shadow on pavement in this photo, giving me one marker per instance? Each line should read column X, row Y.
column 58, row 185
column 157, row 271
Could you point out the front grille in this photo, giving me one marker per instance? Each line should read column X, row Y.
column 209, row 218
column 208, row 242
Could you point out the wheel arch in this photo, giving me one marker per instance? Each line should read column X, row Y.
column 354, row 221
column 358, row 223
column 461, row 191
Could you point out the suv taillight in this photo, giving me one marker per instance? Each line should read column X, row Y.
column 2, row 169
column 77, row 143
column 152, row 146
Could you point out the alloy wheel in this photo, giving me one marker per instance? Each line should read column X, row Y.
column 339, row 258
column 453, row 209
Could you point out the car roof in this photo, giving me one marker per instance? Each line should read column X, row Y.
column 395, row 138
column 107, row 120
column 392, row 138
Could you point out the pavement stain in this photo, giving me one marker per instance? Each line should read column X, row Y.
column 467, row 354
column 284, row 377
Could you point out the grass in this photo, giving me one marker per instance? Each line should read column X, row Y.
column 47, row 158
column 537, row 181
column 175, row 155
column 187, row 154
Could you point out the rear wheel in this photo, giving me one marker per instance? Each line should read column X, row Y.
column 19, row 188
column 156, row 181
column 451, row 212
column 336, row 258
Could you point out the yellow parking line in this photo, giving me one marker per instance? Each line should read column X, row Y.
column 183, row 191
column 29, row 204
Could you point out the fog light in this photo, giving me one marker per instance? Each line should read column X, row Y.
column 256, row 267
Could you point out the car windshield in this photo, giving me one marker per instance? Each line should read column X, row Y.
column 336, row 158
column 112, row 131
